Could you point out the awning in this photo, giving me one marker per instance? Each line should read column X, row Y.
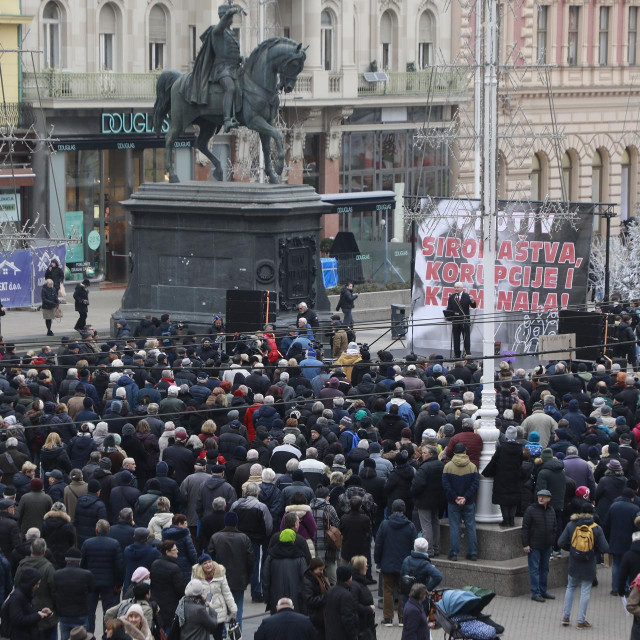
column 20, row 177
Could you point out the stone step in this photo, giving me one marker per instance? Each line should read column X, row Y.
column 494, row 542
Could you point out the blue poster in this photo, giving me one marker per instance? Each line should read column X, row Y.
column 41, row 258
column 15, row 279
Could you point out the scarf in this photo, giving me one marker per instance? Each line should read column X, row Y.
column 636, row 582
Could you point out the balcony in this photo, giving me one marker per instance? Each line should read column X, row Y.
column 429, row 82
column 17, row 115
column 106, row 85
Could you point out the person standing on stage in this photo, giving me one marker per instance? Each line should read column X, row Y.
column 458, row 308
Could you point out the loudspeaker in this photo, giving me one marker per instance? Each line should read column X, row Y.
column 398, row 322
column 249, row 311
column 589, row 330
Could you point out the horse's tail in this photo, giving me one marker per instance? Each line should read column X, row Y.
column 162, row 105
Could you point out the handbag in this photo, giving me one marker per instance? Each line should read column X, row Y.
column 234, row 632
column 333, row 534
column 62, row 292
column 57, row 313
column 406, row 582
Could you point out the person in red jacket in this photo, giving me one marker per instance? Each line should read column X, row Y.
column 471, row 440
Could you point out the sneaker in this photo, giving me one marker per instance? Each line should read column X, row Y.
column 584, row 625
column 387, row 622
column 557, row 553
column 566, row 622
column 548, row 596
column 453, row 557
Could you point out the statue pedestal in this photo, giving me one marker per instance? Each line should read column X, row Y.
column 193, row 241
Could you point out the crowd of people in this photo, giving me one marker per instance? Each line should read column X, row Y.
column 172, row 481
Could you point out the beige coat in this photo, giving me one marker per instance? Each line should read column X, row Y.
column 217, row 587
column 159, row 522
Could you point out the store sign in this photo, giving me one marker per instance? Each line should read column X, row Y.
column 129, row 123
column 10, row 207
column 93, row 240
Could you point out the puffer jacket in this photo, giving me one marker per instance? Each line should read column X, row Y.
column 162, row 520
column 539, row 527
column 398, row 486
column 80, row 449
column 187, row 555
column 221, row 597
column 418, row 564
column 103, row 557
column 307, row 522
column 89, row 509
column 394, row 542
column 59, row 534
column 273, row 499
column 551, row 477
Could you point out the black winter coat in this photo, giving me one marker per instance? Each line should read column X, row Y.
column 187, row 555
column 55, row 458
column 426, row 487
column 539, row 527
column 629, row 568
column 618, row 525
column 180, row 460
column 103, row 557
column 73, row 586
column 49, row 297
column 609, row 488
column 505, row 467
column 398, row 486
column 285, row 625
column 81, row 299
column 59, row 534
column 9, row 534
column 232, row 549
column 89, row 509
column 314, row 601
column 364, row 600
column 356, row 529
column 167, row 587
column 23, row 617
column 342, row 615
column 123, row 533
column 121, row 498
column 282, row 575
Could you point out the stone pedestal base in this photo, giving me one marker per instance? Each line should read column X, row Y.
column 494, row 542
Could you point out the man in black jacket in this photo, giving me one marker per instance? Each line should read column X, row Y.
column 538, row 536
column 81, row 298
column 458, row 307
column 73, row 586
column 9, row 531
column 346, row 303
column 427, row 492
column 285, row 624
column 341, row 613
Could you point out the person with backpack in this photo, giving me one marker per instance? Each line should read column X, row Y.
column 582, row 537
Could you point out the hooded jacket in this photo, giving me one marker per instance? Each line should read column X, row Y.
column 221, row 598
column 44, row 594
column 282, row 575
column 394, row 542
column 212, row 488
column 23, row 614
column 59, row 534
column 551, row 477
column 579, row 569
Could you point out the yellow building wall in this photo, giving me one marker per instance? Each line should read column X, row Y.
column 10, row 61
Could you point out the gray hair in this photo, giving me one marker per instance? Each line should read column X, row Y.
column 268, row 475
column 219, row 504
column 126, row 514
column 252, row 489
column 312, row 453
column 32, row 533
column 12, row 442
column 252, row 454
column 572, row 451
column 363, row 444
column 269, row 400
column 338, row 401
column 38, row 547
column 153, row 408
column 255, row 469
column 102, row 526
column 317, row 407
column 468, row 397
column 292, row 465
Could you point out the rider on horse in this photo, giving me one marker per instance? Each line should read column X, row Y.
column 218, row 60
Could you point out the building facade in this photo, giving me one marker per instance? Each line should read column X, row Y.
column 346, row 130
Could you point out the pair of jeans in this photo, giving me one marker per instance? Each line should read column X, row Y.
column 66, row 624
column 615, row 571
column 256, row 586
column 585, row 594
column 238, row 597
column 391, row 586
column 347, row 319
column 466, row 513
column 430, row 525
column 538, row 561
column 109, row 599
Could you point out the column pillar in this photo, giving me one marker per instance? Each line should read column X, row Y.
column 312, row 10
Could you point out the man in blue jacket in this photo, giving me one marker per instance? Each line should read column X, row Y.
column 102, row 556
column 460, row 482
column 394, row 542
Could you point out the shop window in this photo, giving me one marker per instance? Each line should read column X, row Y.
column 157, row 37
column 107, row 37
column 51, row 22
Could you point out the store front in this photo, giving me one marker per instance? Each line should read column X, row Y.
column 92, row 172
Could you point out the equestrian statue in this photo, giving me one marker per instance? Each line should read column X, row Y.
column 225, row 91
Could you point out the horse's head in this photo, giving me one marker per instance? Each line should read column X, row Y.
column 289, row 67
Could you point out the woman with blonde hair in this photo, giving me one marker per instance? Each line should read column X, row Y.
column 207, row 430
column 135, row 624
column 162, row 519
column 53, row 455
column 50, row 303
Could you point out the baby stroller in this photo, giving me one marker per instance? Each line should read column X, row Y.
column 459, row 613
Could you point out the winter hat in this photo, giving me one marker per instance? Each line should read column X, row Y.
column 537, row 405
column 544, row 492
column 459, row 448
column 368, row 462
column 598, row 402
column 592, row 452
column 116, row 406
column 613, row 465
column 583, row 492
column 87, row 403
column 141, row 573
column 289, row 439
column 193, row 589
column 298, row 475
column 613, row 448
column 360, row 414
column 374, row 447
column 547, row 454
column 289, row 535
column 434, row 407
column 205, row 557
column 35, row 484
column 105, row 464
column 605, row 410
column 72, row 554
column 561, row 433
column 456, row 403
column 448, row 430
column 346, row 422
column 125, row 478
column 231, row 519
column 181, row 434
column 240, row 453
column 233, row 414
column 511, row 433
column 343, row 574
column 437, row 368
column 534, row 436
column 560, row 455
column 620, row 420
column 128, row 429
column 421, row 545
column 58, row 506
column 93, row 486
column 162, row 468
column 56, row 473
column 429, row 435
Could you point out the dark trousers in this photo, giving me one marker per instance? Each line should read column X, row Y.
column 461, row 329
column 109, row 599
column 82, row 320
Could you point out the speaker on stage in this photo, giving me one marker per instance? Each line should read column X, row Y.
column 589, row 330
column 249, row 311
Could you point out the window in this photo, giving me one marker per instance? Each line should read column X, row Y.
column 286, row 32
column 193, row 41
column 603, row 39
column 107, row 37
column 541, row 36
column 597, row 184
column 425, row 40
column 629, row 183
column 157, row 37
column 326, row 40
column 51, row 24
column 632, row 52
column 536, row 178
column 386, row 39
column 574, row 26
column 567, row 177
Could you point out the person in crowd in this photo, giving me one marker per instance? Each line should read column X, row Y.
column 196, row 619
column 285, row 624
column 416, row 624
column 341, row 613
column 314, row 594
column 50, row 303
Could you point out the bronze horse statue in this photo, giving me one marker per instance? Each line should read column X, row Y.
column 256, row 103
